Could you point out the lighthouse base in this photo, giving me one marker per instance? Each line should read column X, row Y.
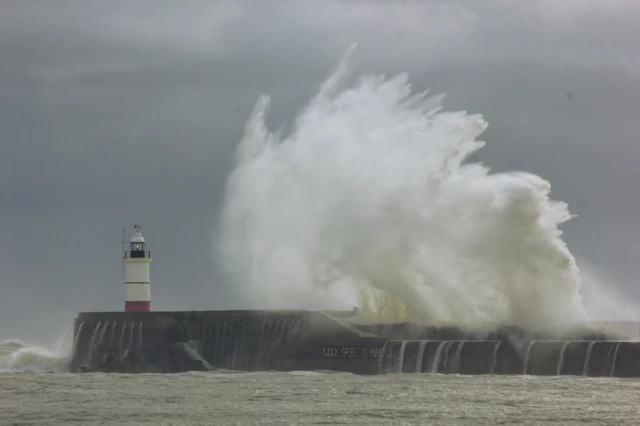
column 171, row 342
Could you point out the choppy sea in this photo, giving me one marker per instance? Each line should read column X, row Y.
column 35, row 390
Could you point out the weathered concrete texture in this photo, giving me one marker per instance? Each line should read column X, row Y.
column 411, row 331
column 312, row 340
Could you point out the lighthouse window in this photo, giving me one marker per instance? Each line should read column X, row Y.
column 136, row 247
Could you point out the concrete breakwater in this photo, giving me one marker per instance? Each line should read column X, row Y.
column 314, row 340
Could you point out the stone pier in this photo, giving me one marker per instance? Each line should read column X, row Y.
column 171, row 342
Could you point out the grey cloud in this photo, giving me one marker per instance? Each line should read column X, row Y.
column 117, row 112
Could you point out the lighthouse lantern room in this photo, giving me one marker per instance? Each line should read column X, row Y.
column 136, row 274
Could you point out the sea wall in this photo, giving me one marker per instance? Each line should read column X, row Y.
column 313, row 340
column 222, row 340
column 543, row 357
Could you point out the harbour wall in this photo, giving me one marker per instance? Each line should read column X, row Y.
column 171, row 342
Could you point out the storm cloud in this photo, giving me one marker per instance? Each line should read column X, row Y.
column 113, row 113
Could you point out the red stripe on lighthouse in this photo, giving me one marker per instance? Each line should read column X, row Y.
column 137, row 306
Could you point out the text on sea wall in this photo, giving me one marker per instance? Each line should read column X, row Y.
column 351, row 352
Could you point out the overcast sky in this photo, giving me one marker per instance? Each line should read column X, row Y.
column 117, row 112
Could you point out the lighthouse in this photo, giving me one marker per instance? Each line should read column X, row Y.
column 136, row 275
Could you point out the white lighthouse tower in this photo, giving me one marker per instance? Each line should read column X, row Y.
column 136, row 275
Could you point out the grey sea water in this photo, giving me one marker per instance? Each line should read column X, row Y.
column 321, row 398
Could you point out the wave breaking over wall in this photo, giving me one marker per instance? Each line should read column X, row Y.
column 369, row 202
column 18, row 356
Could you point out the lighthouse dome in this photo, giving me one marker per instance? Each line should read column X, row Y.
column 137, row 238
